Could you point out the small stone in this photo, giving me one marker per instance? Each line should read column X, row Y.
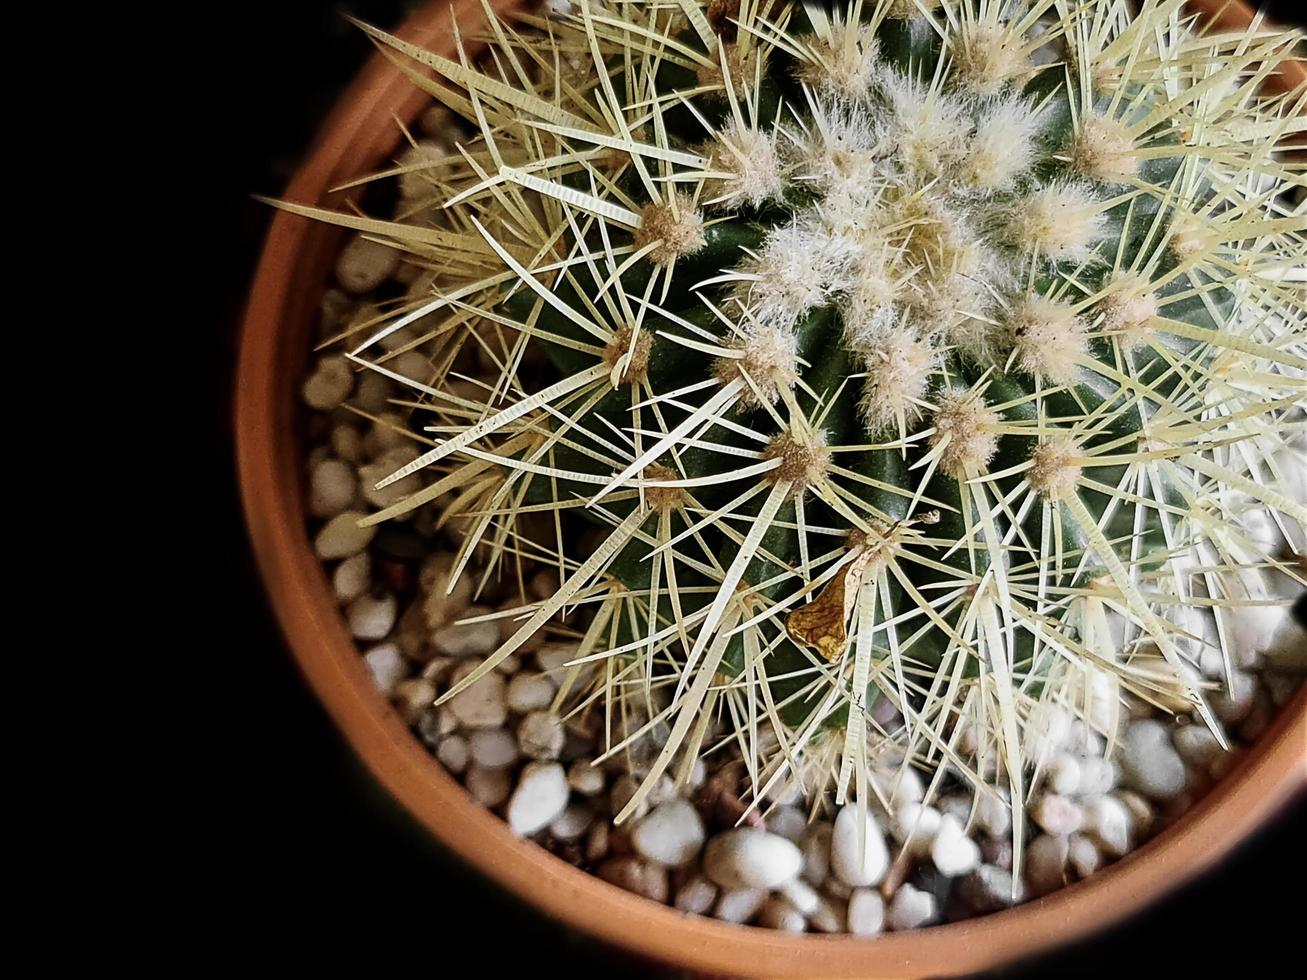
column 1108, row 820
column 434, row 725
column 815, row 847
column 467, row 639
column 371, row 617
column 636, row 876
column 672, row 834
column 994, row 813
column 481, row 705
column 341, row 537
column 621, row 793
column 387, row 665
column 915, row 827
column 597, row 841
column 866, row 915
column 953, row 852
column 801, row 895
column 696, row 896
column 739, row 905
column 1046, row 731
column 988, row 889
column 837, row 889
column 365, row 264
column 1139, row 810
column 1056, row 814
column 332, row 486
column 386, row 464
column 1083, row 856
column 540, row 796
column 530, row 691
column 1062, row 774
column 489, row 787
column 749, row 858
column 584, row 777
column 352, row 578
column 1046, row 860
column 997, row 851
column 858, row 853
column 910, row 909
column 1097, row 776
column 329, row 384
column 1233, row 702
column 1287, row 651
column 777, row 913
column 413, row 697
column 453, row 753
column 787, row 821
column 830, row 916
column 347, row 443
column 552, row 658
column 1196, row 744
column 541, row 735
column 492, row 748
column 1149, row 763
column 574, row 821
column 1224, row 762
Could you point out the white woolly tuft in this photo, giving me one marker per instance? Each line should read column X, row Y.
column 1003, row 148
column 1061, row 222
column 843, row 63
column 750, row 157
column 927, row 129
column 799, row 267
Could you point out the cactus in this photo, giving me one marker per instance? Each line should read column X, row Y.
column 907, row 355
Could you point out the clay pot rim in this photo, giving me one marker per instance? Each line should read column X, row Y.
column 355, row 137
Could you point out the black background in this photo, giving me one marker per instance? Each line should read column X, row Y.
column 324, row 861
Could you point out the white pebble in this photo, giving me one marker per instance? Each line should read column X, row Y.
column 815, row 847
column 739, row 905
column 341, row 537
column 788, row 821
column 492, row 748
column 540, row 796
column 387, row 665
column 1108, row 820
column 1062, row 774
column 830, row 915
column 1083, row 856
column 347, row 443
column 329, row 384
column 1056, row 814
column 413, row 697
column 529, row 691
column 858, row 855
column 541, row 735
column 671, row 834
column 574, row 821
column 910, row 909
column 1046, row 860
column 1097, row 776
column 584, row 777
column 481, row 705
column 953, row 852
column 1150, row 763
column 1196, row 744
column 371, row 617
column 994, row 813
column 453, row 753
column 749, row 858
column 364, row 264
column 467, row 639
column 915, row 826
column 332, row 486
column 777, row 913
column 489, row 787
column 866, row 915
column 375, row 472
column 352, row 577
column 801, row 895
column 696, row 896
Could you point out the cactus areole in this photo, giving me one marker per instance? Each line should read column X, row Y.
column 887, row 352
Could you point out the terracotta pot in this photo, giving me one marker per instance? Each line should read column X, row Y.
column 292, row 273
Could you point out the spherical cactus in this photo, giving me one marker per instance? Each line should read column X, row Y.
column 919, row 363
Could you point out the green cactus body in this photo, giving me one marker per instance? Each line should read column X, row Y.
column 925, row 307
